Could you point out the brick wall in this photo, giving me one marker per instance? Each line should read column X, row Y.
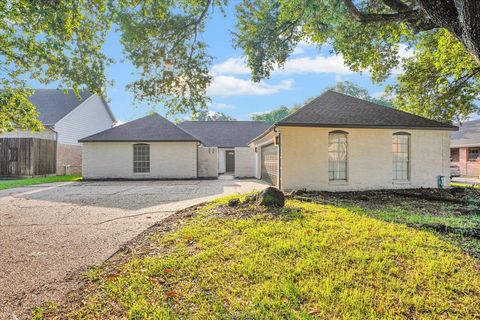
column 69, row 155
column 467, row 168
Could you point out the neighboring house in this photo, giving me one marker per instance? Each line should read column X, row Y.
column 231, row 138
column 465, row 147
column 66, row 119
column 341, row 143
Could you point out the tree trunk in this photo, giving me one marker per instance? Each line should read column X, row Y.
column 460, row 17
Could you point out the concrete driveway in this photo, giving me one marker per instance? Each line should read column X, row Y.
column 49, row 233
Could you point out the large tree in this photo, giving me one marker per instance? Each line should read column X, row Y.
column 61, row 41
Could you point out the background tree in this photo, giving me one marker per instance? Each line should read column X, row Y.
column 206, row 115
column 61, row 41
column 48, row 41
column 355, row 90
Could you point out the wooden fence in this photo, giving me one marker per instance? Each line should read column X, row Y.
column 27, row 156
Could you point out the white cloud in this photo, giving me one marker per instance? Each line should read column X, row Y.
column 222, row 106
column 304, row 65
column 231, row 66
column 302, row 47
column 232, row 86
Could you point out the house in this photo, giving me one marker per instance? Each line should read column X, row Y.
column 340, row 143
column 147, row 148
column 465, row 146
column 231, row 138
column 66, row 119
column 335, row 142
column 192, row 149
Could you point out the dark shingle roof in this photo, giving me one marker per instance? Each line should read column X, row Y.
column 467, row 136
column 224, row 134
column 333, row 109
column 150, row 128
column 53, row 104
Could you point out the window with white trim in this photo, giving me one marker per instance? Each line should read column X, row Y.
column 401, row 156
column 337, row 156
column 141, row 158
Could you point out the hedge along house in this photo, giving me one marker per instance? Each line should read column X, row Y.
column 147, row 148
column 231, row 139
column 340, row 143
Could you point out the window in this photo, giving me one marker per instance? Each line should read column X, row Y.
column 472, row 154
column 141, row 158
column 401, row 156
column 454, row 155
column 337, row 155
column 12, row 154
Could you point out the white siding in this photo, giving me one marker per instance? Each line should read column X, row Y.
column 168, row 160
column 87, row 119
column 244, row 162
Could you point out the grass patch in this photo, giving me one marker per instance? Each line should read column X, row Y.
column 307, row 261
column 14, row 183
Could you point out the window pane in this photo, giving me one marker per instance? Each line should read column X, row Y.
column 337, row 156
column 400, row 156
column 141, row 158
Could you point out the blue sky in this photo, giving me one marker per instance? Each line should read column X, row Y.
column 308, row 72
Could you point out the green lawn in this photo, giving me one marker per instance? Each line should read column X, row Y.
column 7, row 184
column 308, row 261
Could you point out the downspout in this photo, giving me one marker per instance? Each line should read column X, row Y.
column 279, row 157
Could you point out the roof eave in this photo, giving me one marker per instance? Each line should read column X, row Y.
column 263, row 134
column 111, row 140
column 363, row 126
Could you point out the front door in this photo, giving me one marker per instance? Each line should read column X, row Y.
column 230, row 161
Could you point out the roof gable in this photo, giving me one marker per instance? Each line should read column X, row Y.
column 53, row 104
column 333, row 109
column 150, row 128
column 224, row 134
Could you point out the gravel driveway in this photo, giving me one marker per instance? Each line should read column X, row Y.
column 50, row 233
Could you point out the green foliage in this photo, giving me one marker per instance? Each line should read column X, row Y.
column 205, row 115
column 354, row 90
column 440, row 81
column 273, row 116
column 310, row 261
column 15, row 183
column 49, row 41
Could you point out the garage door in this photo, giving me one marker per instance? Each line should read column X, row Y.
column 270, row 164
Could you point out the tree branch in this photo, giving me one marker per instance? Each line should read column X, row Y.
column 380, row 17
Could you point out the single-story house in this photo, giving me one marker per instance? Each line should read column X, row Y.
column 231, row 138
column 336, row 142
column 66, row 118
column 465, row 148
column 340, row 143
column 154, row 148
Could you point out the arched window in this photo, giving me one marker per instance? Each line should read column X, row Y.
column 337, row 155
column 141, row 158
column 401, row 156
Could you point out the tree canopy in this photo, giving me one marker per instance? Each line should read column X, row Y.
column 61, row 41
column 357, row 91
column 206, row 115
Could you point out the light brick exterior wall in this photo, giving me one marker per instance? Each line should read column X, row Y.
column 304, row 159
column 207, row 162
column 114, row 160
column 244, row 162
